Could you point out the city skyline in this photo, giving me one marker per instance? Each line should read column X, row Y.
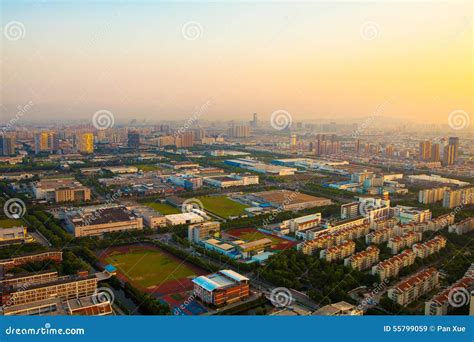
column 243, row 158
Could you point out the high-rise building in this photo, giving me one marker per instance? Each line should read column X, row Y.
column 455, row 198
column 199, row 134
column 255, row 120
column 454, row 141
column 388, row 151
column 7, row 145
column 84, row 142
column 425, row 150
column 429, row 196
column 239, row 131
column 435, row 153
column 357, row 146
column 293, row 140
column 46, row 142
column 448, row 155
column 133, row 140
column 185, row 139
column 324, row 146
column 101, row 135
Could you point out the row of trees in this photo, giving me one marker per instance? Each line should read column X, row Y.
column 48, row 227
column 324, row 282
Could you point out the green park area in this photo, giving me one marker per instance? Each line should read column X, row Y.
column 163, row 208
column 222, row 206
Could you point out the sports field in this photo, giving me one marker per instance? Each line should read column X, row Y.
column 252, row 234
column 222, row 206
column 163, row 208
column 149, row 268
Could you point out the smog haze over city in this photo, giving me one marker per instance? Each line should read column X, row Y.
column 318, row 60
column 243, row 158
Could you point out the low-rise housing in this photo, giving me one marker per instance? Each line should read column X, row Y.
column 423, row 250
column 363, row 260
column 391, row 267
column 338, row 252
column 440, row 303
column 412, row 288
column 396, row 243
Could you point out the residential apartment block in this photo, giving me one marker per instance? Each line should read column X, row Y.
column 409, row 290
column 460, row 197
column 429, row 196
column 338, row 252
column 462, row 227
column 396, row 243
column 379, row 236
column 391, row 267
column 423, row 250
column 363, row 260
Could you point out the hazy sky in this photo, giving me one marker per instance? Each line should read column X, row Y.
column 158, row 60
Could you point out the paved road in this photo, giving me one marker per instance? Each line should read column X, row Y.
column 262, row 285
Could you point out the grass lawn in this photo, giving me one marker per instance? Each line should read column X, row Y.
column 148, row 167
column 253, row 236
column 163, row 208
column 147, row 267
column 8, row 223
column 222, row 206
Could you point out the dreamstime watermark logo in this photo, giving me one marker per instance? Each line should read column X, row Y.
column 179, row 310
column 103, row 295
column 288, row 199
column 193, row 119
column 103, row 119
column 458, row 296
column 458, row 119
column 14, row 208
column 190, row 204
column 459, row 207
column 369, row 299
column 11, row 301
column 366, row 207
column 21, row 110
column 47, row 329
column 281, row 119
column 281, row 297
column 109, row 203
column 369, row 30
column 192, row 30
column 368, row 121
column 14, row 30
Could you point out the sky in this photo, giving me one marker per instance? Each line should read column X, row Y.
column 317, row 60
